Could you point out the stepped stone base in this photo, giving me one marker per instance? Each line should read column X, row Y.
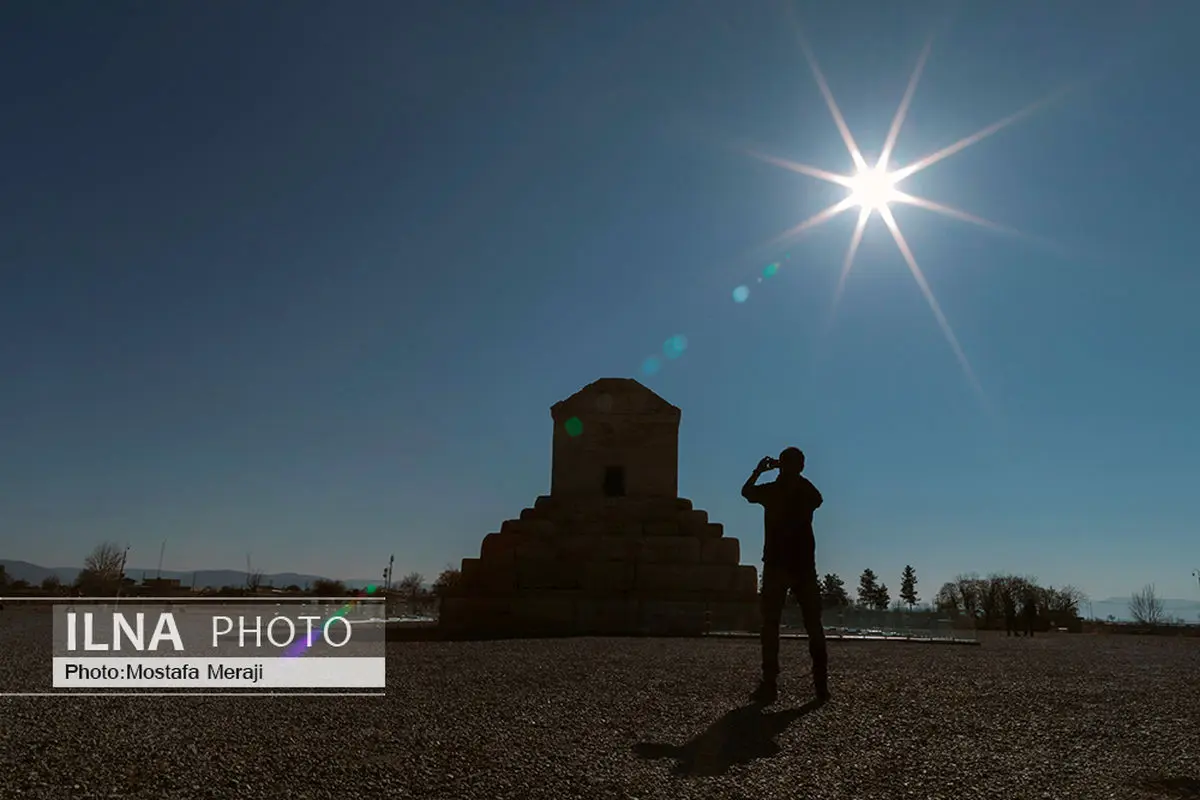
column 618, row 566
column 582, row 614
column 611, row 550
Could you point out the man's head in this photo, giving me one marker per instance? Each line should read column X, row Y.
column 791, row 461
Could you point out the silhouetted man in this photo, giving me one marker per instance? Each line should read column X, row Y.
column 1030, row 613
column 1010, row 613
column 789, row 563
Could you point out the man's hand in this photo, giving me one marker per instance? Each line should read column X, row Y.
column 753, row 493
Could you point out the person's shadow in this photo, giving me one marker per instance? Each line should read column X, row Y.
column 741, row 736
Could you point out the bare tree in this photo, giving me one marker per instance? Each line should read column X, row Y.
column 410, row 589
column 105, row 561
column 970, row 590
column 324, row 587
column 1146, row 608
column 447, row 582
column 1064, row 600
column 102, row 569
column 254, row 579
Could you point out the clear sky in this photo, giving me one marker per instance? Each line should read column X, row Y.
column 302, row 279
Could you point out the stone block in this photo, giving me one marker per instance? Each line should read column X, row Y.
column 719, row 551
column 630, row 527
column 734, row 616
column 692, row 523
column 530, row 548
column 713, row 530
column 544, row 613
column 617, row 548
column 487, row 577
column 672, row 617
column 548, row 574
column 683, row 504
column 654, row 509
column 606, row 615
column 662, row 528
column 530, row 527
column 537, row 514
column 607, row 577
column 500, row 547
column 593, row 528
column 669, row 550
column 746, row 582
column 545, row 501
column 574, row 547
column 714, row 578
column 596, row 548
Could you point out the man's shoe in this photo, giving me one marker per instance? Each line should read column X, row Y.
column 822, row 687
column 766, row 693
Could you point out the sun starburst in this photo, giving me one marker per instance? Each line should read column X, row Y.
column 873, row 189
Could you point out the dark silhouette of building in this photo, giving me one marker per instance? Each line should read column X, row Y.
column 612, row 549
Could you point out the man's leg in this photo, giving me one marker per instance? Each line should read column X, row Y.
column 808, row 592
column 774, row 593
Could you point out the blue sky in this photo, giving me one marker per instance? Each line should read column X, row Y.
column 302, row 280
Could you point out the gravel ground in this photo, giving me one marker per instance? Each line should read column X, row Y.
column 1053, row 717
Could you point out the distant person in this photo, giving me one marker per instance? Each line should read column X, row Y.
column 1010, row 614
column 1030, row 613
column 789, row 563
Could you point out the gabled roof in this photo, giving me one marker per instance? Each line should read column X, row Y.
column 627, row 397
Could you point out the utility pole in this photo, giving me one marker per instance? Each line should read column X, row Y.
column 161, row 551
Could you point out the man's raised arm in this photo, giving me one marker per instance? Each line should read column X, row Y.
column 752, row 492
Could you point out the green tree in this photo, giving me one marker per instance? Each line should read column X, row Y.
column 868, row 588
column 833, row 592
column 882, row 599
column 908, row 587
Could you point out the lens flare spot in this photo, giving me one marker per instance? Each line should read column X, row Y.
column 651, row 366
column 573, row 427
column 674, row 347
column 770, row 269
column 741, row 293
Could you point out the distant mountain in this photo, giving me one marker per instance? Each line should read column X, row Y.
column 34, row 574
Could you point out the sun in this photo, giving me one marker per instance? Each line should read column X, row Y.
column 873, row 189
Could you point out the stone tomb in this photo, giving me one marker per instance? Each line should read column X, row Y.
column 611, row 549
